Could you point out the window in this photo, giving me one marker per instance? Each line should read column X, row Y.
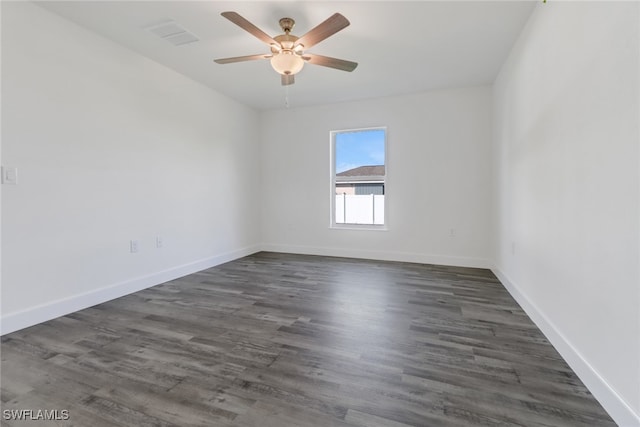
column 358, row 178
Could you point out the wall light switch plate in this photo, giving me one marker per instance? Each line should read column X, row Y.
column 9, row 175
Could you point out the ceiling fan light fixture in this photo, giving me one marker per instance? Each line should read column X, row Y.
column 287, row 63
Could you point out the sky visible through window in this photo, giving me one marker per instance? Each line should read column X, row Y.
column 359, row 148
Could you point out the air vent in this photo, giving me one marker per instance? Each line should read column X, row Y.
column 173, row 32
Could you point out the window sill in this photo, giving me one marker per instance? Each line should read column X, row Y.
column 368, row 227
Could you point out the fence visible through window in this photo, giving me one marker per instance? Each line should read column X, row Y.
column 359, row 209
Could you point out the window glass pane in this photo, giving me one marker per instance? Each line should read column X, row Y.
column 359, row 148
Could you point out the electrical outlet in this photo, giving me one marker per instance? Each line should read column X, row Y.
column 452, row 232
column 133, row 246
column 159, row 241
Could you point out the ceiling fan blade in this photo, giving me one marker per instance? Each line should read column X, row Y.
column 241, row 58
column 327, row 61
column 332, row 25
column 287, row 79
column 249, row 27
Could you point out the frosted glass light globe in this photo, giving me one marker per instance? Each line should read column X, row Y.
column 287, row 62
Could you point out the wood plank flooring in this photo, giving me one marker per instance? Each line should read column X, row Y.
column 291, row 340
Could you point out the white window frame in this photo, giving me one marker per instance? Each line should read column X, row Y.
column 332, row 180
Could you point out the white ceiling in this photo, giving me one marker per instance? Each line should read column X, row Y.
column 401, row 47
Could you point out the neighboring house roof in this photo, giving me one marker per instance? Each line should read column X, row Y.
column 362, row 175
column 363, row 171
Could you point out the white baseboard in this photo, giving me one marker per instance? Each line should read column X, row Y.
column 621, row 412
column 381, row 255
column 41, row 313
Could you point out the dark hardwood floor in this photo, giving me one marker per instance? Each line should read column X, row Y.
column 289, row 340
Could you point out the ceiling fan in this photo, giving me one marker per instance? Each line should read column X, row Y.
column 288, row 54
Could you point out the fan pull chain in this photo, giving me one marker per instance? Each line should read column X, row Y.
column 286, row 96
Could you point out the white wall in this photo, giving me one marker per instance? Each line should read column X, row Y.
column 438, row 178
column 567, row 185
column 110, row 147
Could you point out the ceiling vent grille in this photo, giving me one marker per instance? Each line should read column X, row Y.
column 174, row 33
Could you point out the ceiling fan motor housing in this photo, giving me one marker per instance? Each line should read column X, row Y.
column 287, row 42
